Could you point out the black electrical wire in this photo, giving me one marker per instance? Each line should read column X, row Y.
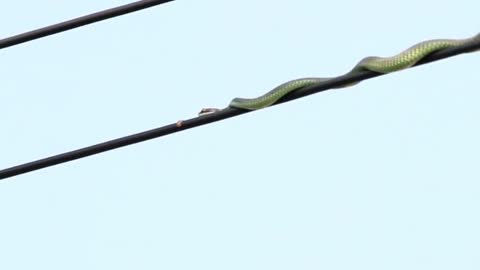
column 217, row 116
column 80, row 21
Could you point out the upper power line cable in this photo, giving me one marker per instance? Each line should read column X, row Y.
column 80, row 21
column 220, row 115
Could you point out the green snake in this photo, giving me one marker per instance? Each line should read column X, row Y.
column 403, row 60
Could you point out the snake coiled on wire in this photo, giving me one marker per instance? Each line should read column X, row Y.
column 403, row 60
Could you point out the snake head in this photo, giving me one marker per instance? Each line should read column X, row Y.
column 208, row 111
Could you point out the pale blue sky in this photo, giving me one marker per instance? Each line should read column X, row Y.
column 380, row 176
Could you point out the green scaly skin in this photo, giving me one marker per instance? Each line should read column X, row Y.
column 403, row 60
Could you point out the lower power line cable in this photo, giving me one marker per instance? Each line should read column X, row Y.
column 217, row 116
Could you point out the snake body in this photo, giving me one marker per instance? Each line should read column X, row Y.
column 403, row 60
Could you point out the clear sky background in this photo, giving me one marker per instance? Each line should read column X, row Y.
column 383, row 175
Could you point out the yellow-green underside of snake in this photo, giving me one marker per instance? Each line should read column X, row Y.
column 403, row 60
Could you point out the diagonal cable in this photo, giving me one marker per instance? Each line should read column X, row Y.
column 220, row 115
column 78, row 22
